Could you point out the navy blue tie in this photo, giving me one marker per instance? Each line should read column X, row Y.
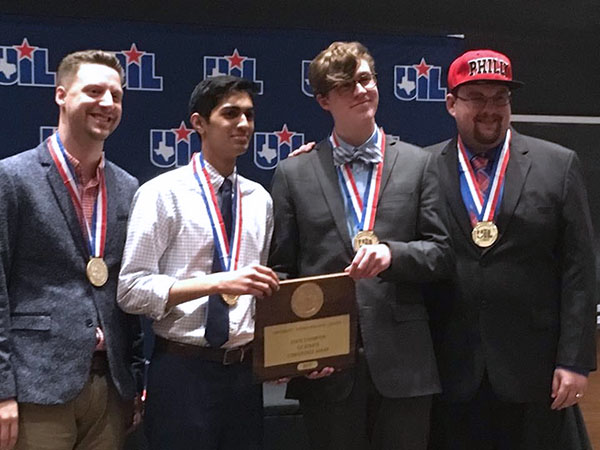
column 217, row 316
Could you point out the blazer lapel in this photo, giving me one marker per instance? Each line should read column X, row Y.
column 112, row 200
column 328, row 180
column 388, row 165
column 451, row 186
column 516, row 174
column 63, row 199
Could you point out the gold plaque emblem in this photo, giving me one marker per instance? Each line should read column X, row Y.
column 308, row 365
column 230, row 299
column 307, row 300
column 484, row 234
column 97, row 272
column 364, row 237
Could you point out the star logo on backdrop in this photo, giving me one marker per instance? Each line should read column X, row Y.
column 133, row 54
column 285, row 136
column 422, row 68
column 235, row 60
column 183, row 133
column 25, row 50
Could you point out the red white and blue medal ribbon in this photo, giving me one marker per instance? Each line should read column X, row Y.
column 96, row 230
column 229, row 252
column 364, row 206
column 483, row 211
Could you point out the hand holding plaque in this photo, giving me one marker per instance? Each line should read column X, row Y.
column 309, row 324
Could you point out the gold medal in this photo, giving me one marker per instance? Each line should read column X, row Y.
column 230, row 299
column 364, row 237
column 484, row 234
column 97, row 271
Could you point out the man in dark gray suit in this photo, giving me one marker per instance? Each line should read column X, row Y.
column 515, row 329
column 66, row 350
column 384, row 402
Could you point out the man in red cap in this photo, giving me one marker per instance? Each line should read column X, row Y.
column 515, row 329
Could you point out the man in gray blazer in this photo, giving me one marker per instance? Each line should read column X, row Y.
column 66, row 350
column 383, row 402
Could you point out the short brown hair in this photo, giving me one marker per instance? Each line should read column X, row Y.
column 69, row 65
column 337, row 64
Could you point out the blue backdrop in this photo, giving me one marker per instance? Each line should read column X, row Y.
column 163, row 63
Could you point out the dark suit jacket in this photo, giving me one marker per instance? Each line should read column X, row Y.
column 311, row 237
column 526, row 304
column 48, row 310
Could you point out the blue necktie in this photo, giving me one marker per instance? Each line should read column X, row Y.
column 217, row 316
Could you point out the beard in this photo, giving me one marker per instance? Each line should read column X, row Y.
column 488, row 129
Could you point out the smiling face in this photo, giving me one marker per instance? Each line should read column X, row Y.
column 352, row 108
column 90, row 103
column 481, row 127
column 227, row 132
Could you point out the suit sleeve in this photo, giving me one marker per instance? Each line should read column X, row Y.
column 284, row 246
column 429, row 256
column 577, row 342
column 8, row 215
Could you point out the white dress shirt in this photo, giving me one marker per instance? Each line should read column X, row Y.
column 170, row 238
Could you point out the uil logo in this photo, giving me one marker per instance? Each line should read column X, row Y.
column 270, row 148
column 420, row 82
column 234, row 64
column 173, row 147
column 25, row 65
column 139, row 70
column 306, row 89
column 46, row 132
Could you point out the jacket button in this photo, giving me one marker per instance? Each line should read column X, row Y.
column 89, row 323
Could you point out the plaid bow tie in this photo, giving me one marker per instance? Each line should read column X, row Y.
column 365, row 154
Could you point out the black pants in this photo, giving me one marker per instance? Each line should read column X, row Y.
column 487, row 422
column 367, row 421
column 198, row 404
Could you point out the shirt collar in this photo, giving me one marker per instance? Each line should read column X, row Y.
column 371, row 143
column 216, row 179
column 490, row 154
column 79, row 173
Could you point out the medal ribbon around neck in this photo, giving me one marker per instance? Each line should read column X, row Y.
column 473, row 197
column 96, row 230
column 364, row 207
column 229, row 255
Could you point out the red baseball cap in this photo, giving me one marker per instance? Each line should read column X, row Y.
column 481, row 66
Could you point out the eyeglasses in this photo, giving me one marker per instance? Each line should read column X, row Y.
column 480, row 101
column 366, row 80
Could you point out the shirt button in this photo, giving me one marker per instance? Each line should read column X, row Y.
column 89, row 323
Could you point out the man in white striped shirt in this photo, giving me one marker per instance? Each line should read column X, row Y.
column 197, row 242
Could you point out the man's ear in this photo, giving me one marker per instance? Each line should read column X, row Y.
column 450, row 102
column 59, row 95
column 198, row 122
column 323, row 101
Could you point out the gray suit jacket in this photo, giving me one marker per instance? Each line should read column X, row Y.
column 526, row 304
column 48, row 310
column 311, row 237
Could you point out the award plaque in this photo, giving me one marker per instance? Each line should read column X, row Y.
column 309, row 324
